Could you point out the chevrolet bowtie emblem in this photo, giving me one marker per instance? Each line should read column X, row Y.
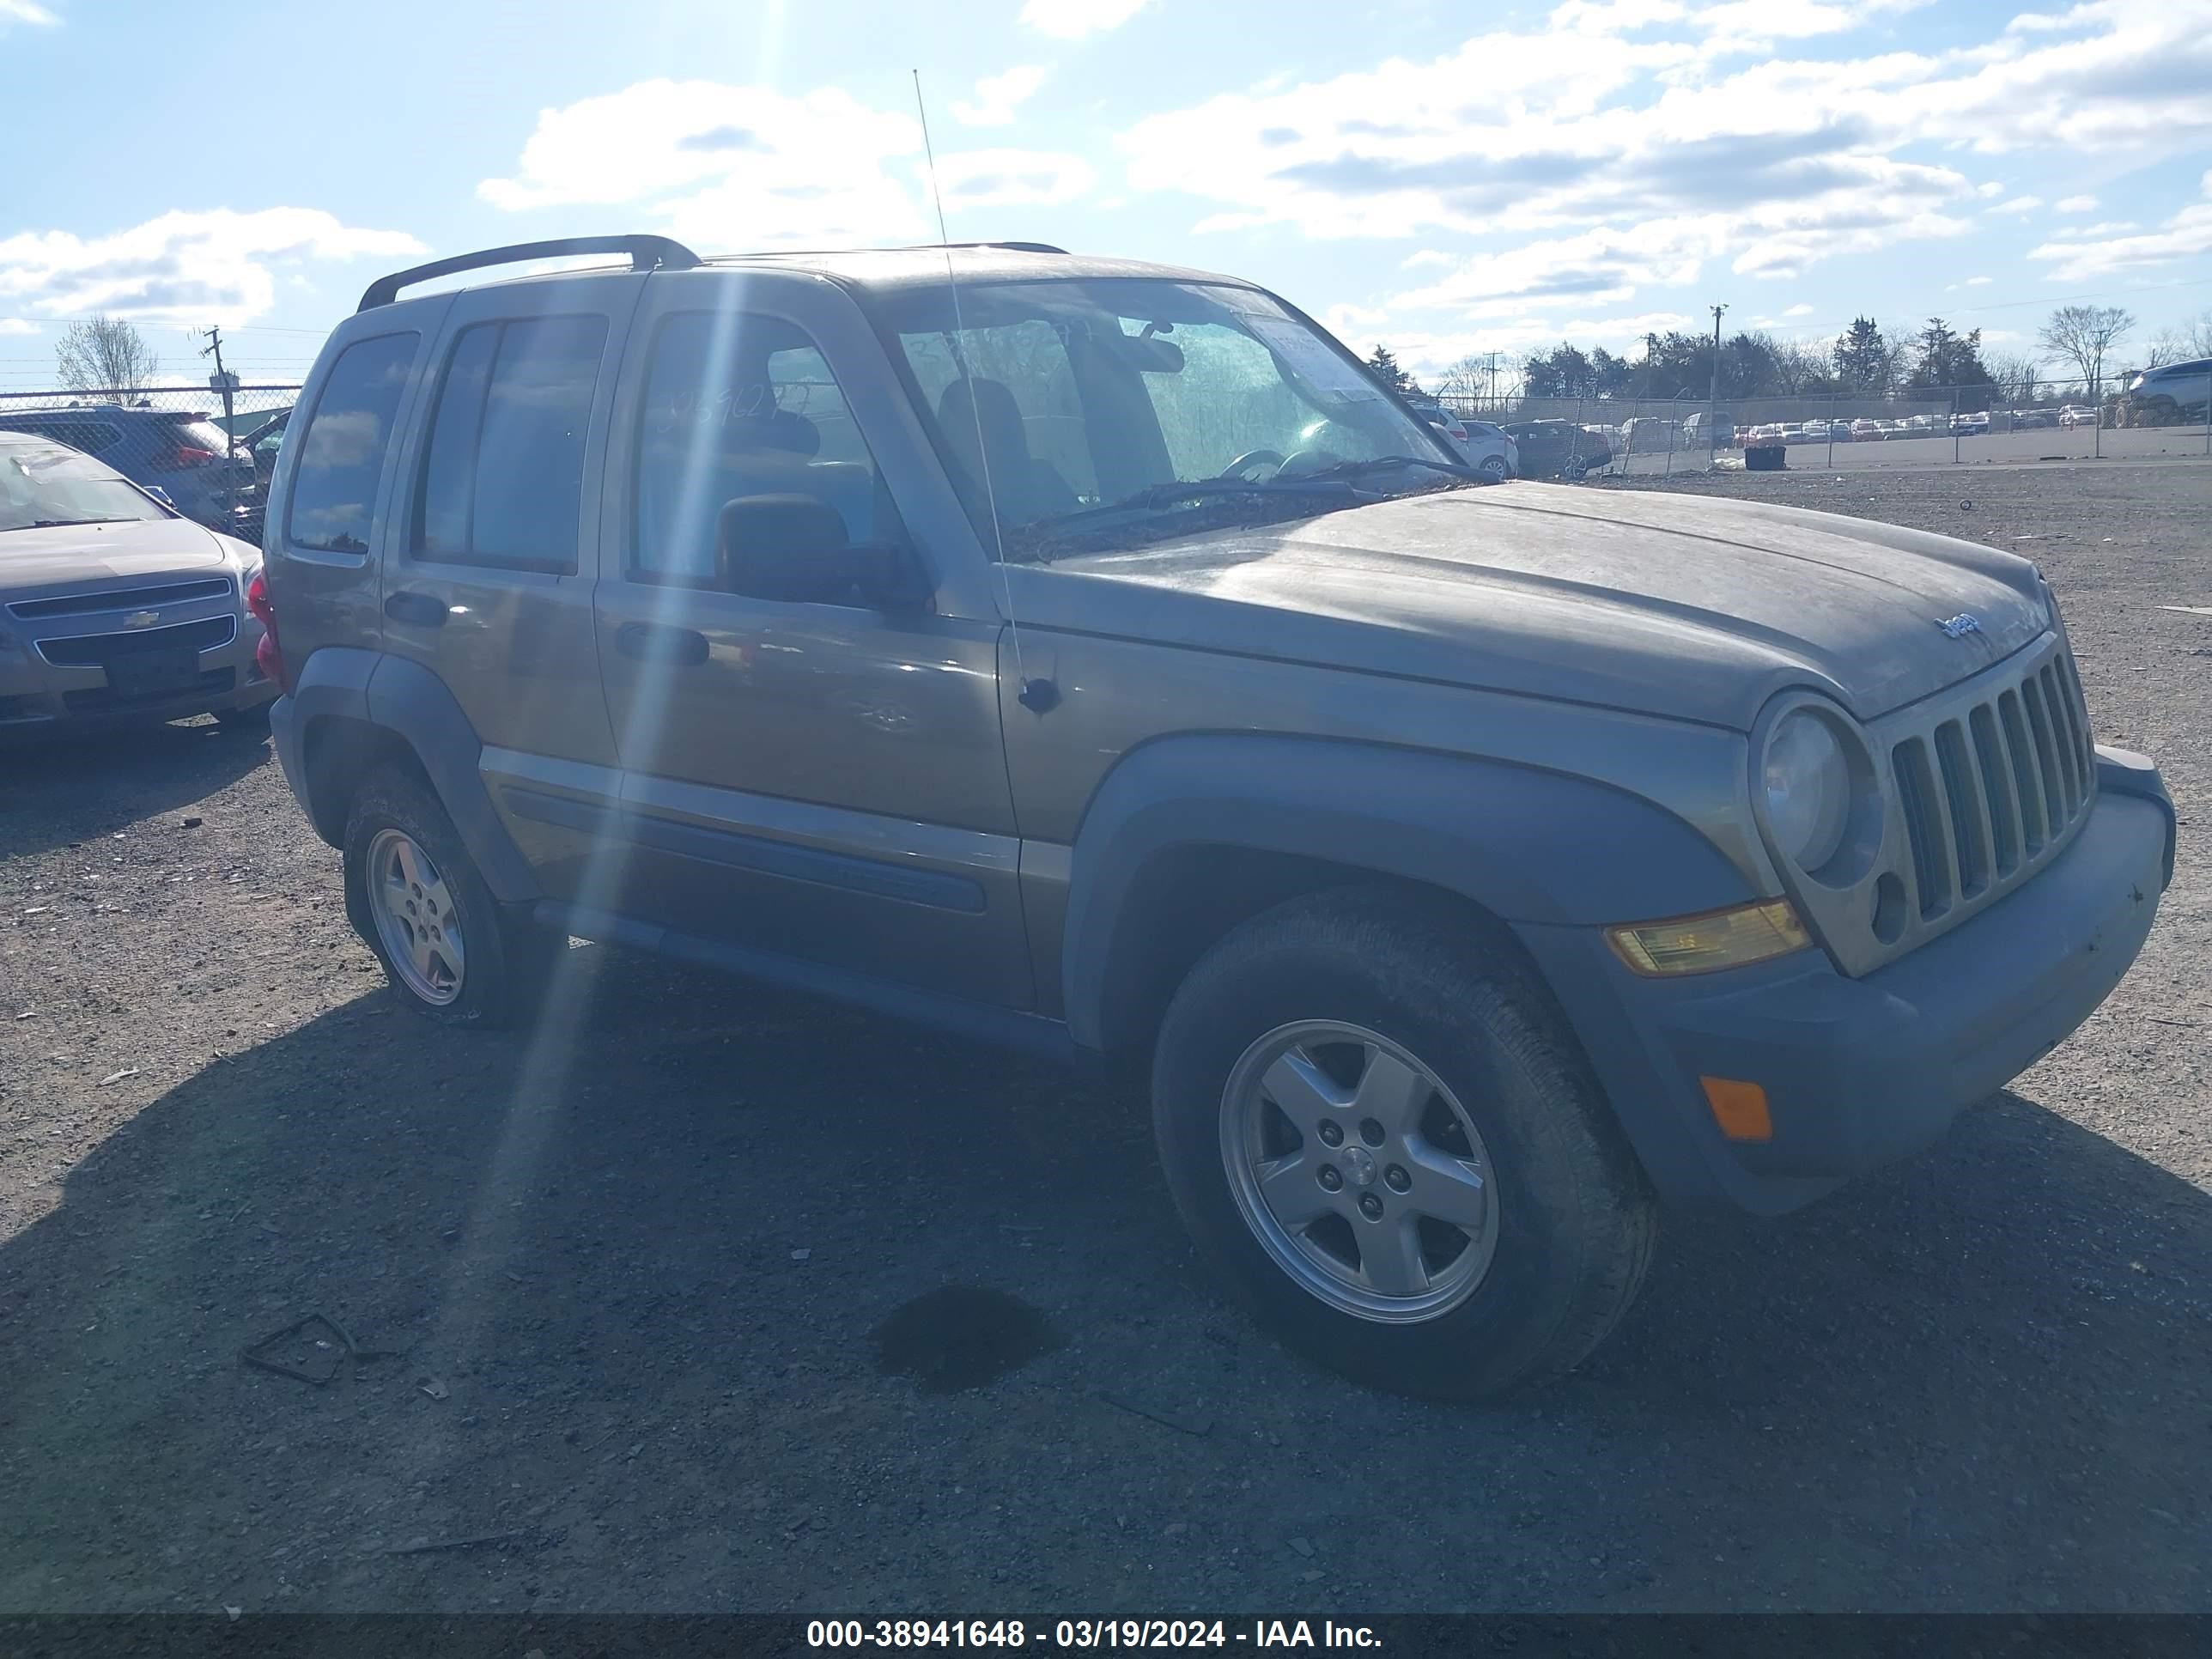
column 142, row 619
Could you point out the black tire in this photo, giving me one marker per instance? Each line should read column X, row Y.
column 507, row 961
column 1577, row 1221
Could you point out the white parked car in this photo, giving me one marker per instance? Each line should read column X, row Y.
column 2077, row 414
column 1864, row 430
column 1491, row 450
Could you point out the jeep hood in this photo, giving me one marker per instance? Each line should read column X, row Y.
column 1685, row 605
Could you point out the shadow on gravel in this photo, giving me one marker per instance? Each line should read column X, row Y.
column 56, row 792
column 638, row 1264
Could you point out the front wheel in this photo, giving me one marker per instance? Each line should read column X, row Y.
column 1389, row 1148
column 1494, row 468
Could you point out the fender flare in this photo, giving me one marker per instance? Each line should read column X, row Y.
column 1527, row 845
column 394, row 695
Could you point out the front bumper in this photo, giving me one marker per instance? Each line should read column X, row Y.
column 39, row 698
column 1860, row 1072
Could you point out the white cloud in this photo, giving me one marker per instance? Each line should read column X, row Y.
column 17, row 325
column 1071, row 20
column 1801, row 309
column 2105, row 227
column 1609, row 113
column 2077, row 204
column 750, row 167
column 1346, row 320
column 219, row 266
column 2019, row 204
column 1979, row 281
column 1426, row 258
column 1013, row 178
column 998, row 96
column 2188, row 235
column 1428, row 354
column 13, row 12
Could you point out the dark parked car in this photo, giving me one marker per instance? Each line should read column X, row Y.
column 262, row 444
column 1558, row 449
column 195, row 465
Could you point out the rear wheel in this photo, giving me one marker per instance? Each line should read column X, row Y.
column 417, row 901
column 1386, row 1145
column 1494, row 468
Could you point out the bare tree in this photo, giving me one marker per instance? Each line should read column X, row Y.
column 2016, row 376
column 2182, row 342
column 1466, row 379
column 104, row 355
column 2083, row 335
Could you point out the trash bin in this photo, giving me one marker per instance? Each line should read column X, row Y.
column 1766, row 458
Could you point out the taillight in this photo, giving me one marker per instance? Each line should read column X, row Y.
column 185, row 455
column 269, row 655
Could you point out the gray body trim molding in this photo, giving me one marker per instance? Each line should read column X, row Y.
column 1527, row 845
column 409, row 701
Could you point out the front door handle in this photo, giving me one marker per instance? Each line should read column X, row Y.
column 658, row 642
column 424, row 610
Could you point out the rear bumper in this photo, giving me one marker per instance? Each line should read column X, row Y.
column 1859, row 1072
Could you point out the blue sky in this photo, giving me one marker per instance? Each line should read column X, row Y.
column 1452, row 178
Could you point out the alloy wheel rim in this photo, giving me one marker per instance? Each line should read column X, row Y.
column 415, row 917
column 1358, row 1172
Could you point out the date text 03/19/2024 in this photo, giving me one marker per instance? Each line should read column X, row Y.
column 1086, row 1633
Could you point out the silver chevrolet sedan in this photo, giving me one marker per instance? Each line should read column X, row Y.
column 115, row 610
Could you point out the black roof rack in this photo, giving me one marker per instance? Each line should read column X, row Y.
column 908, row 248
column 646, row 254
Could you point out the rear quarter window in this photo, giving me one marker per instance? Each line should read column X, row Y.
column 341, row 454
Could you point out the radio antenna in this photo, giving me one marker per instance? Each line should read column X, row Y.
column 1036, row 696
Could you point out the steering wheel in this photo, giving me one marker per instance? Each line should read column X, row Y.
column 1251, row 457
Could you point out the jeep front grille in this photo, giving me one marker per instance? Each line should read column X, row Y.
column 1990, row 790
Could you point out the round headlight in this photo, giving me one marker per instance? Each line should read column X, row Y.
column 1808, row 789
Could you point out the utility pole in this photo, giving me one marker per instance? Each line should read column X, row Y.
column 1713, row 393
column 225, row 383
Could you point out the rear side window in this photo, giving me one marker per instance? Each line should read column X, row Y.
column 343, row 449
column 504, row 472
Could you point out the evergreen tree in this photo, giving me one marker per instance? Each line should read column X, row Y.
column 1862, row 358
column 1386, row 367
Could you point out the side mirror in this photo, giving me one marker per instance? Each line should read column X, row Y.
column 792, row 548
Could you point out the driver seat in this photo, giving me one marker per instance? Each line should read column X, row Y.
column 1025, row 488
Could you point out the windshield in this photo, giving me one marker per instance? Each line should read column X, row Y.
column 1090, row 395
column 47, row 483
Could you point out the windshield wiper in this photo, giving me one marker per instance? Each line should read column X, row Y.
column 1386, row 463
column 1174, row 493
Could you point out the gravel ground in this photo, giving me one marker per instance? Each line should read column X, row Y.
column 639, row 1261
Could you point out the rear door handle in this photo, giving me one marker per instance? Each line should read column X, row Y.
column 658, row 642
column 424, row 610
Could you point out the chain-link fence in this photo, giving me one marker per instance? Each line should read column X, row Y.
column 2045, row 421
column 207, row 453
